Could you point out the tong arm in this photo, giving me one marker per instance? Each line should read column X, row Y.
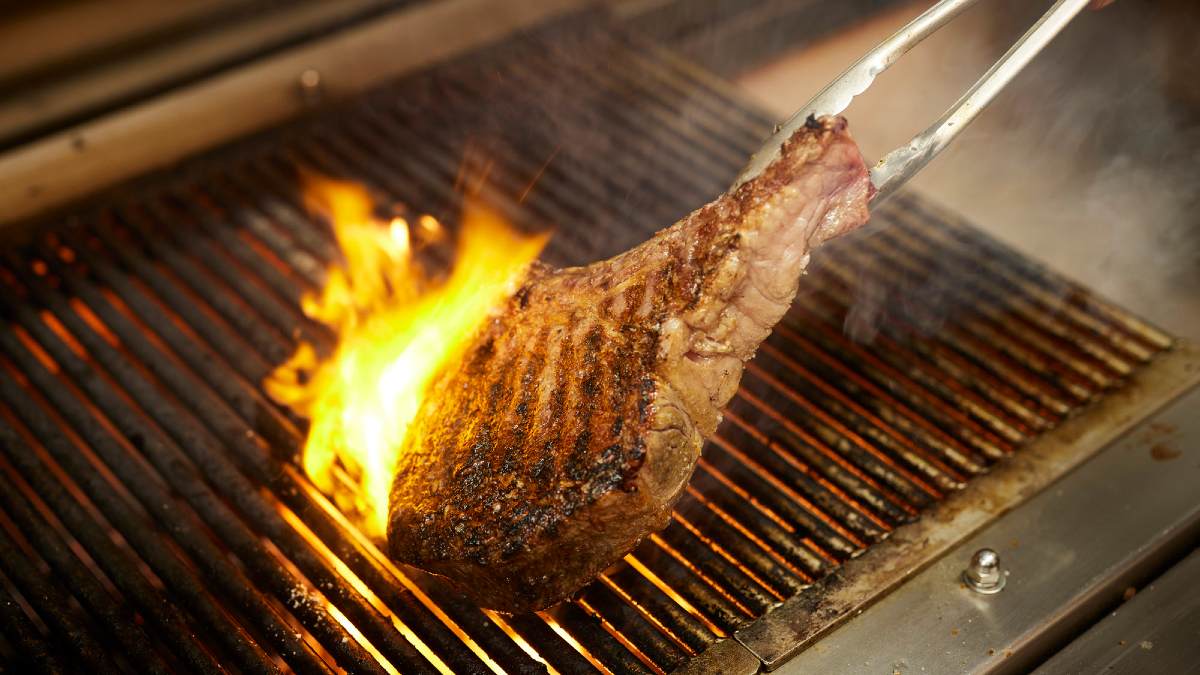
column 901, row 164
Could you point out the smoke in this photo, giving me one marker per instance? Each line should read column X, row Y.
column 1109, row 95
column 1089, row 162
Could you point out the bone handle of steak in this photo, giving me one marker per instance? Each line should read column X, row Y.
column 815, row 191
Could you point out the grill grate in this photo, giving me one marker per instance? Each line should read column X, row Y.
column 153, row 516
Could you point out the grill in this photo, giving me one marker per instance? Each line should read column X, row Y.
column 154, row 517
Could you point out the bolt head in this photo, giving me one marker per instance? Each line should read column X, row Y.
column 311, row 86
column 983, row 574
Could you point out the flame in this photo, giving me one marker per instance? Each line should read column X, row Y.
column 398, row 324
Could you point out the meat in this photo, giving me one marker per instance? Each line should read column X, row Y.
column 574, row 422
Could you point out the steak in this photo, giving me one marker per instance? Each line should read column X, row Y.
column 574, row 421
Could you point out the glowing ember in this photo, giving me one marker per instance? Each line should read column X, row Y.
column 397, row 326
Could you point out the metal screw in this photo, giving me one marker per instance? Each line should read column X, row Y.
column 311, row 88
column 984, row 575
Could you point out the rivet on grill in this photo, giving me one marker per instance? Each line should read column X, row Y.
column 983, row 574
column 311, row 87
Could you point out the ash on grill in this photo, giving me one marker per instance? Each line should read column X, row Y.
column 154, row 518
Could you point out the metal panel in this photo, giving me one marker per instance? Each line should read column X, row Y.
column 1069, row 552
column 1158, row 631
column 69, row 165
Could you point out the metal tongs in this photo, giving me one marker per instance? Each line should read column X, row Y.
column 901, row 164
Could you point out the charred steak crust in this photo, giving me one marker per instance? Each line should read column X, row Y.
column 575, row 419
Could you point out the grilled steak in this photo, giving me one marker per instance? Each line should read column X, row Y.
column 575, row 420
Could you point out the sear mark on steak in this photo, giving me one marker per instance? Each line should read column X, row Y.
column 574, row 422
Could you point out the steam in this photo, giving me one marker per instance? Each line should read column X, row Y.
column 1089, row 162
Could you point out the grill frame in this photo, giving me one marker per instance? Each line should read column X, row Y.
column 157, row 264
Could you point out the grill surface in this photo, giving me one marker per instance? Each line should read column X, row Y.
column 154, row 518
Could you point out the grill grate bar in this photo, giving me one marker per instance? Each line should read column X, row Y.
column 146, row 330
column 53, row 606
column 517, row 638
column 715, row 562
column 251, row 281
column 270, row 342
column 22, row 640
column 250, row 243
column 133, row 527
column 934, row 360
column 761, row 525
column 770, row 513
column 271, row 198
column 153, row 496
column 666, row 589
column 1109, row 322
column 905, row 477
column 585, row 193
column 559, row 653
column 858, row 380
column 952, row 457
column 209, row 456
column 745, row 565
column 118, row 565
column 1096, row 361
column 810, row 473
column 623, row 175
column 714, row 527
column 173, row 465
column 597, row 637
column 397, row 591
column 296, row 270
column 644, row 605
column 985, row 337
column 602, row 111
column 442, row 157
column 227, row 426
column 716, row 602
column 997, row 364
column 87, row 590
column 158, row 295
column 1037, row 303
column 825, row 516
column 846, row 464
column 657, row 114
column 623, row 622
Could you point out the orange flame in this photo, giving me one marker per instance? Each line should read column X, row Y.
column 397, row 326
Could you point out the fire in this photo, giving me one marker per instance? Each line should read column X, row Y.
column 398, row 324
